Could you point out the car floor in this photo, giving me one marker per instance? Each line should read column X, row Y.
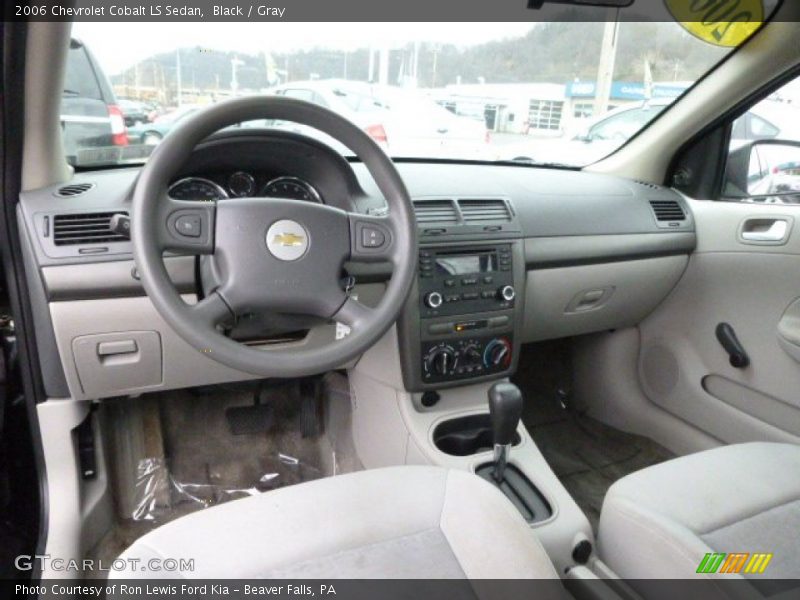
column 204, row 463
column 586, row 455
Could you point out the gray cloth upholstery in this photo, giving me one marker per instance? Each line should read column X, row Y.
column 661, row 521
column 399, row 522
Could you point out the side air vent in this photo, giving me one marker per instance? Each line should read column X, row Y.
column 491, row 210
column 668, row 210
column 441, row 212
column 74, row 189
column 85, row 228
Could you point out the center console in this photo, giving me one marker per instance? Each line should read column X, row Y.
column 458, row 325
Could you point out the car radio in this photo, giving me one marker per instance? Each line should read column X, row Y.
column 465, row 280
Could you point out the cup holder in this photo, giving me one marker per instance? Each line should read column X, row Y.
column 466, row 436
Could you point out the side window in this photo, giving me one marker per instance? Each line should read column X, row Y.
column 764, row 152
column 761, row 129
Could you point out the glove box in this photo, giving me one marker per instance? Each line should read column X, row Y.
column 126, row 361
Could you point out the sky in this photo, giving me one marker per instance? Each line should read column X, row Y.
column 120, row 45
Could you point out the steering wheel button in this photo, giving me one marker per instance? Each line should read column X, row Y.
column 372, row 237
column 188, row 225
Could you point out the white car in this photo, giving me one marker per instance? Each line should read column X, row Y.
column 600, row 136
column 404, row 122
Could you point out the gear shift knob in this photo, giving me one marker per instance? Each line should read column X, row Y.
column 505, row 410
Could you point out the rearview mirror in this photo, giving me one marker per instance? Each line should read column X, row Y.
column 766, row 171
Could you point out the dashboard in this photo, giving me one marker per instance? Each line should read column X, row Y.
column 507, row 255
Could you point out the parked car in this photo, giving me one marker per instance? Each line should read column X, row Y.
column 403, row 122
column 600, row 136
column 150, row 134
column 92, row 122
column 134, row 112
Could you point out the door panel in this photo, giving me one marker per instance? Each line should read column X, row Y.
column 754, row 287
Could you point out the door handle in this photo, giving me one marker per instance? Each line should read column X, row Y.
column 765, row 230
column 736, row 352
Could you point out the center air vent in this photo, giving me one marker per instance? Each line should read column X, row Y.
column 74, row 189
column 85, row 228
column 668, row 210
column 442, row 212
column 491, row 210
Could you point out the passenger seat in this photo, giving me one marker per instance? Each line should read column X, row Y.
column 662, row 521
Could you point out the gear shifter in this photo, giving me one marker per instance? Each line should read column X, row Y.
column 505, row 410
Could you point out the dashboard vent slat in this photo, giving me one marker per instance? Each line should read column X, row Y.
column 668, row 210
column 85, row 228
column 491, row 210
column 73, row 189
column 441, row 212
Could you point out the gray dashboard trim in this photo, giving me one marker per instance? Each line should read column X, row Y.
column 54, row 380
column 587, row 249
column 111, row 279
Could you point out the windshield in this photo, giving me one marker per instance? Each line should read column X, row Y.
column 544, row 93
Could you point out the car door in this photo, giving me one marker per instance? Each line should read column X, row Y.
column 740, row 293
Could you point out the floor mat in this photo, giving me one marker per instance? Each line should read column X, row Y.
column 205, row 464
column 585, row 454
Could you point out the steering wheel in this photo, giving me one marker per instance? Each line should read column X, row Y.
column 271, row 254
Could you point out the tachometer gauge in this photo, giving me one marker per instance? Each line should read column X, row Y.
column 197, row 188
column 241, row 184
column 293, row 188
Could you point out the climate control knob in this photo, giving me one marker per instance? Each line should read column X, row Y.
column 433, row 300
column 442, row 361
column 497, row 353
column 506, row 293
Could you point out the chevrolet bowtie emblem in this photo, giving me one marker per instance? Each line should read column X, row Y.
column 288, row 240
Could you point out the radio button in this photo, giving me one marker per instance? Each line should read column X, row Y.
column 488, row 279
column 499, row 321
column 440, row 328
column 470, row 296
column 469, row 281
column 452, row 298
column 487, row 294
column 449, row 282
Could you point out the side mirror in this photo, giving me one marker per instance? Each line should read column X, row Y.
column 764, row 170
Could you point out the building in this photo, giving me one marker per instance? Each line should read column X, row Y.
column 542, row 109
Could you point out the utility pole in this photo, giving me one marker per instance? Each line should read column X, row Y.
column 608, row 55
column 235, row 62
column 371, row 66
column 383, row 66
column 178, row 71
column 435, row 61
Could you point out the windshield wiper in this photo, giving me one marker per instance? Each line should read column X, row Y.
column 70, row 93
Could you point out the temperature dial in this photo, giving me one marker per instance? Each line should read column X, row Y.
column 497, row 353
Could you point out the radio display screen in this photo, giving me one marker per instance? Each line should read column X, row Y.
column 462, row 264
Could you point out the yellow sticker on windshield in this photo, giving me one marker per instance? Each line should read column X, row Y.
column 720, row 22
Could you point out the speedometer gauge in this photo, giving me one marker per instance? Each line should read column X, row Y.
column 293, row 188
column 196, row 188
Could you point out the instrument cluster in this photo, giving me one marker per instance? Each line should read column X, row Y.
column 243, row 184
